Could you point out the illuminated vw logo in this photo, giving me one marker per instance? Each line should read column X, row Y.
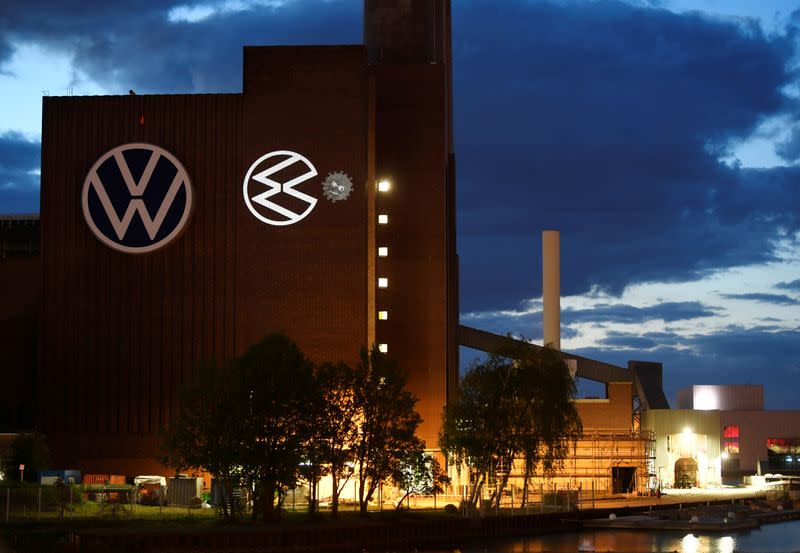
column 137, row 198
column 279, row 172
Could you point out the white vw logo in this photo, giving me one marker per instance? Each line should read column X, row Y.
column 161, row 187
column 262, row 173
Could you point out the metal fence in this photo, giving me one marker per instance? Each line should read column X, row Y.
column 49, row 502
column 128, row 502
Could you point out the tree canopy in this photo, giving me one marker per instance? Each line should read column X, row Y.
column 271, row 418
column 29, row 449
column 386, row 422
column 516, row 403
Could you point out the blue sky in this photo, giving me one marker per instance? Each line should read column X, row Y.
column 661, row 137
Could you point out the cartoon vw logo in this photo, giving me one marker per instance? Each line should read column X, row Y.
column 279, row 172
column 137, row 198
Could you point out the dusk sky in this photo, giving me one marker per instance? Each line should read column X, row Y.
column 661, row 137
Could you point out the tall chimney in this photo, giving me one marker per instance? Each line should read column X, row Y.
column 407, row 31
column 551, row 288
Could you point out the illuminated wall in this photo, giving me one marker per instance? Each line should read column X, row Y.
column 756, row 428
column 611, row 414
column 685, row 434
column 284, row 232
column 725, row 397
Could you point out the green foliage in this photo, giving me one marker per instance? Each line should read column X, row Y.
column 271, row 418
column 209, row 430
column 386, row 422
column 61, row 497
column 246, row 424
column 515, row 404
column 275, row 383
column 329, row 449
column 28, row 449
column 419, row 473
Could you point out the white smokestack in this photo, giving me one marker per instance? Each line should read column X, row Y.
column 551, row 287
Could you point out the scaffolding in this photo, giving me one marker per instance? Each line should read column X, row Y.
column 601, row 463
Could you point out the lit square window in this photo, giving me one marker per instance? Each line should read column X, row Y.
column 383, row 348
column 383, row 219
column 384, row 186
column 383, row 282
column 383, row 251
column 383, row 315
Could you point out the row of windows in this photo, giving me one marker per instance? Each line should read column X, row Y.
column 383, row 251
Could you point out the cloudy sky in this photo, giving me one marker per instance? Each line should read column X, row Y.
column 662, row 137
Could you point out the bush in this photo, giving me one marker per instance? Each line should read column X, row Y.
column 450, row 508
column 58, row 496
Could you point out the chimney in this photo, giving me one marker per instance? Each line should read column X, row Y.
column 551, row 288
column 407, row 31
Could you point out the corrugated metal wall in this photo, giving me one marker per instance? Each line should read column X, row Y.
column 120, row 332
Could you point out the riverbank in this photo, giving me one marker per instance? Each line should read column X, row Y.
column 719, row 517
column 381, row 532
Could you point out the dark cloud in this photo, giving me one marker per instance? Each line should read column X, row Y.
column 777, row 299
column 793, row 285
column 19, row 184
column 642, row 342
column 736, row 355
column 602, row 119
column 605, row 120
column 790, row 149
column 620, row 313
column 132, row 44
column 527, row 325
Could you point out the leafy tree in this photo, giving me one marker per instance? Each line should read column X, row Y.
column 248, row 424
column 333, row 429
column 275, row 382
column 209, row 431
column 386, row 422
column 314, row 450
column 548, row 422
column 419, row 473
column 516, row 403
column 29, row 449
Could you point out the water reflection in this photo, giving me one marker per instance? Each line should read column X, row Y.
column 727, row 544
column 773, row 538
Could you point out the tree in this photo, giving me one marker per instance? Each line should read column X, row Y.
column 248, row 423
column 275, row 382
column 333, row 429
column 386, row 422
column 315, row 448
column 516, row 403
column 29, row 449
column 209, row 431
column 419, row 473
column 548, row 422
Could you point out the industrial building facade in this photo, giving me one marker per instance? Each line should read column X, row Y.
column 722, row 434
column 181, row 229
column 320, row 202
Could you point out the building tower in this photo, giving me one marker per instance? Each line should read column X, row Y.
column 408, row 47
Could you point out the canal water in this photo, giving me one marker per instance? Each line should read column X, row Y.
column 782, row 537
